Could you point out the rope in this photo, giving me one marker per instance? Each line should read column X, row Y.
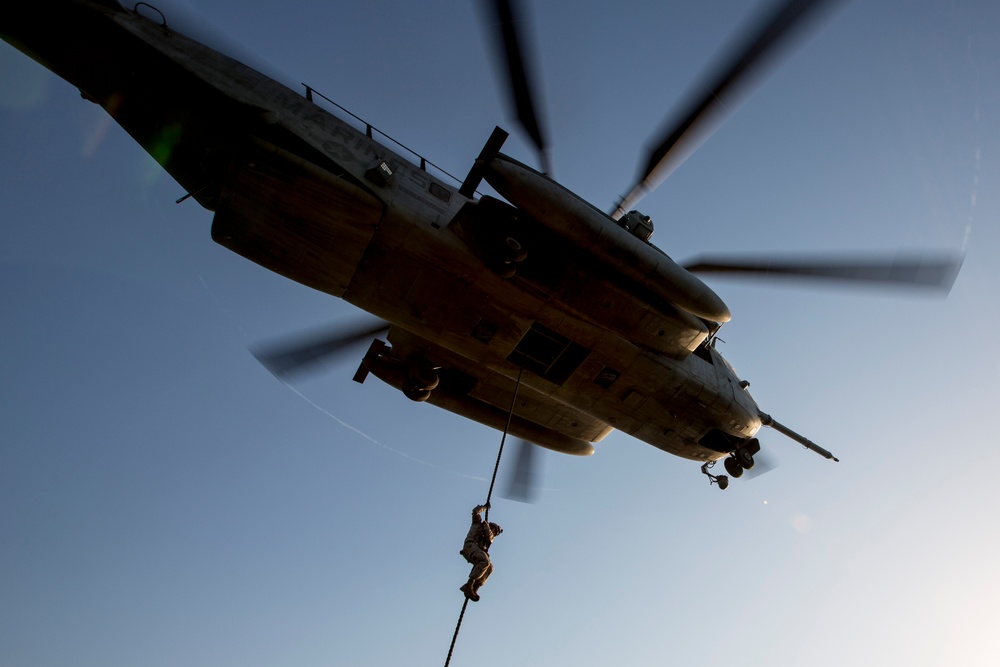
column 496, row 467
column 503, row 439
column 454, row 637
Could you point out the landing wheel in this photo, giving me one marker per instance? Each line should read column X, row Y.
column 743, row 457
column 733, row 467
column 501, row 266
column 418, row 394
column 505, row 269
column 506, row 254
column 424, row 376
column 513, row 251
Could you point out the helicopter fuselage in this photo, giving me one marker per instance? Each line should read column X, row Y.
column 610, row 332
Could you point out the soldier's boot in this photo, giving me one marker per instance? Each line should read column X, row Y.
column 469, row 592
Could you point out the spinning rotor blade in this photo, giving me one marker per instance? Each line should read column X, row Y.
column 743, row 62
column 762, row 463
column 293, row 358
column 523, row 486
column 915, row 271
column 510, row 48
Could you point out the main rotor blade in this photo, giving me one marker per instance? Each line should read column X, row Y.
column 763, row 463
column 523, row 485
column 287, row 359
column 924, row 272
column 510, row 47
column 693, row 124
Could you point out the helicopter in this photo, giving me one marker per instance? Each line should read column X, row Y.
column 535, row 308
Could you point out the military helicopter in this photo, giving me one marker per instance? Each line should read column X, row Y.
column 537, row 313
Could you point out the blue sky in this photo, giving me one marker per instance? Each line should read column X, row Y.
column 165, row 501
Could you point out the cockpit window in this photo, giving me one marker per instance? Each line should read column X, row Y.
column 704, row 352
column 726, row 364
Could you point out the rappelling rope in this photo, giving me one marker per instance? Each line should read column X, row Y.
column 503, row 439
column 455, row 636
column 496, row 467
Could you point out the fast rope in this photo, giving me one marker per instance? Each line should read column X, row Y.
column 454, row 637
column 503, row 439
column 496, row 467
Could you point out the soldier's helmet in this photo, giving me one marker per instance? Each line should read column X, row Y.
column 495, row 528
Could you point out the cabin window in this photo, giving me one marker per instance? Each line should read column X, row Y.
column 548, row 354
column 440, row 192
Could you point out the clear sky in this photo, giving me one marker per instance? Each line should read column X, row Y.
column 165, row 501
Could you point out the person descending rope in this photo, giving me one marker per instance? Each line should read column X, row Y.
column 475, row 550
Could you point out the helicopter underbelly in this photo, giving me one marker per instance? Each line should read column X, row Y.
column 448, row 311
column 296, row 219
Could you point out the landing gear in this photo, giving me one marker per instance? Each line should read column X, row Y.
column 499, row 236
column 513, row 251
column 741, row 459
column 744, row 457
column 421, row 380
column 506, row 255
column 424, row 376
column 736, row 463
column 503, row 269
column 733, row 467
column 416, row 394
column 721, row 480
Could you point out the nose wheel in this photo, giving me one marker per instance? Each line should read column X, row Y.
column 733, row 467
column 744, row 457
column 736, row 464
